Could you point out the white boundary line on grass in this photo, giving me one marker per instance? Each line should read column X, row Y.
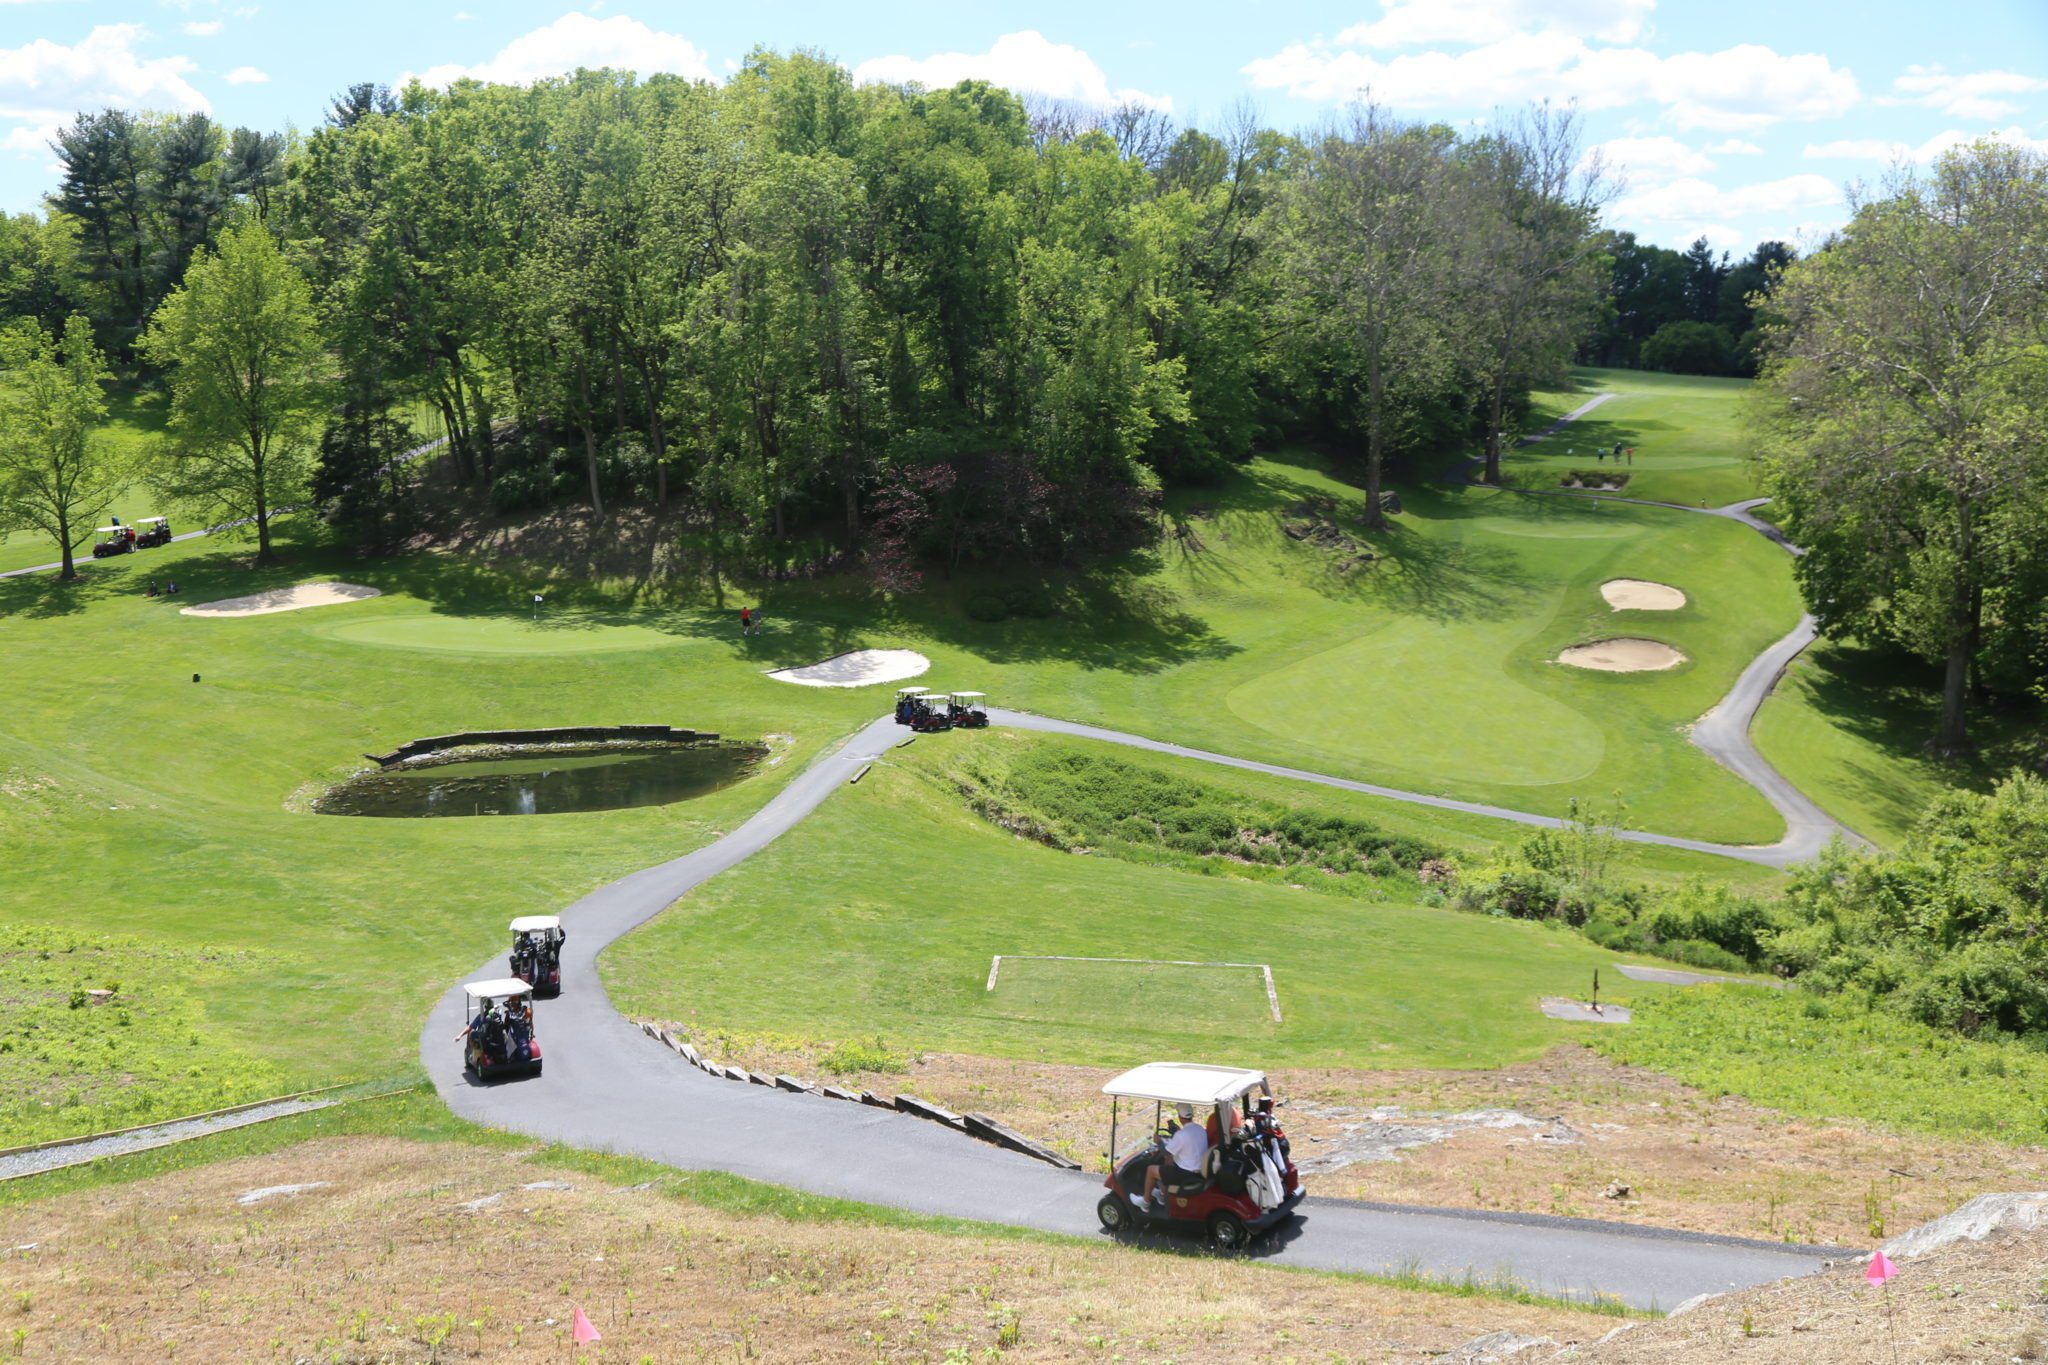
column 995, row 966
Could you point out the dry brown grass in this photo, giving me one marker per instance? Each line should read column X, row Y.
column 384, row 1264
column 1690, row 1161
column 1975, row 1301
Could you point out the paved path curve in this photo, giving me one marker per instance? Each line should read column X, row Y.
column 609, row 1087
column 1723, row 733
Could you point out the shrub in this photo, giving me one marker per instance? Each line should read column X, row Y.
column 987, row 607
column 850, row 1057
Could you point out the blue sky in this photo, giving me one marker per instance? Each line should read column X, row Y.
column 1739, row 119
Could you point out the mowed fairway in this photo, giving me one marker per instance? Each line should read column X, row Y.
column 1433, row 669
column 880, row 913
column 1686, row 429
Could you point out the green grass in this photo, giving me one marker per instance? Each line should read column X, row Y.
column 1687, row 431
column 135, row 1057
column 136, row 802
column 880, row 913
column 1849, row 727
column 1830, row 1058
column 133, row 422
column 1122, row 997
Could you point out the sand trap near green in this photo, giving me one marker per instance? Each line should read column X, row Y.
column 275, row 600
column 499, row 634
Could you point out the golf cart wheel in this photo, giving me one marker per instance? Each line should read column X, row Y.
column 1228, row 1232
column 1115, row 1215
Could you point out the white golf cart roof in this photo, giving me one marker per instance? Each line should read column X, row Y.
column 969, row 696
column 151, row 521
column 910, row 691
column 501, row 989
column 535, row 924
column 107, row 530
column 1184, row 1083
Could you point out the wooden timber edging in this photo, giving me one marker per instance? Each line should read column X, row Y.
column 567, row 734
column 979, row 1126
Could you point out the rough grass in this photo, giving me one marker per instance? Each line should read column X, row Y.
column 1830, row 1057
column 1687, row 431
column 146, row 1051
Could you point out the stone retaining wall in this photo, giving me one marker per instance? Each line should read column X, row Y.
column 570, row 734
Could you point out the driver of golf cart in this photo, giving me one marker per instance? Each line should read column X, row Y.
column 1179, row 1170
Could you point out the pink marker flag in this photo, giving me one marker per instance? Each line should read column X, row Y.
column 580, row 1328
column 1880, row 1269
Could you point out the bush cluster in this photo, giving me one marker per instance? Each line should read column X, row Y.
column 1081, row 801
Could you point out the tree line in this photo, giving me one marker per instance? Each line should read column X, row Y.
column 810, row 320
column 1686, row 312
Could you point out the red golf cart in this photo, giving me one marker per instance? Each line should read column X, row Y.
column 1247, row 1184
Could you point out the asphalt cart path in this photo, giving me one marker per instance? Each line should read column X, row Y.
column 608, row 1087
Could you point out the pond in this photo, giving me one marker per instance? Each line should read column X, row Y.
column 553, row 782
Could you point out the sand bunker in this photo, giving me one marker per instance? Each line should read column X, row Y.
column 285, row 599
column 1640, row 594
column 858, row 669
column 1625, row 655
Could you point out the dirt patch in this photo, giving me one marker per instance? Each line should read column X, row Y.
column 859, row 668
column 1313, row 523
column 1624, row 654
column 1640, row 594
column 1689, row 1160
column 1980, row 1301
column 285, row 599
column 421, row 1252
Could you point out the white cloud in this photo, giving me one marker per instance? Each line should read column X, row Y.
column 1408, row 23
column 463, row 16
column 247, row 75
column 1734, row 146
column 1737, row 89
column 1877, row 149
column 1979, row 94
column 1656, row 160
column 578, row 40
column 44, row 84
column 1690, row 207
column 202, row 28
column 1019, row 61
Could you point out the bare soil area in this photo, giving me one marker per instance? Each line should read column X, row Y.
column 1571, row 1134
column 1975, row 1301
column 375, row 1249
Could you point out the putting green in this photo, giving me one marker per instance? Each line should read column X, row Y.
column 1420, row 719
column 499, row 634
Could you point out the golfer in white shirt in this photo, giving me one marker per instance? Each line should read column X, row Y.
column 1181, row 1170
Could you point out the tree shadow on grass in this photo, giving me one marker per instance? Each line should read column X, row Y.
column 1893, row 704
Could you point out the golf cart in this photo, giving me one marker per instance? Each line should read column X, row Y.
column 930, row 711
column 905, row 696
column 1247, row 1183
column 537, row 953
column 498, row 1039
column 154, row 531
column 968, row 710
column 113, row 540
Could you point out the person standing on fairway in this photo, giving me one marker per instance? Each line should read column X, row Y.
column 746, row 620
